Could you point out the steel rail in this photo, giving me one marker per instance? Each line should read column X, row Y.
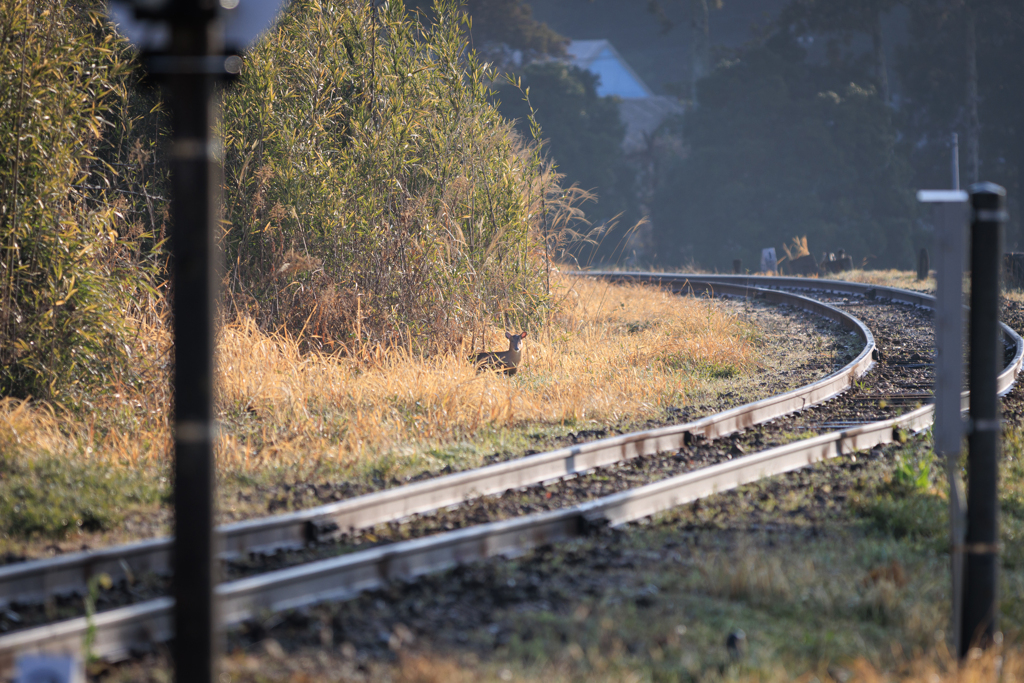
column 678, row 281
column 36, row 580
column 118, row 633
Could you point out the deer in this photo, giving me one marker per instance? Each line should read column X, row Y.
column 506, row 362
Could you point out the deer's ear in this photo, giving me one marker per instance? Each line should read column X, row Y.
column 508, row 336
column 523, row 335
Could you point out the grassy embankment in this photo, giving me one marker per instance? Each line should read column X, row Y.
column 380, row 216
column 903, row 279
column 611, row 355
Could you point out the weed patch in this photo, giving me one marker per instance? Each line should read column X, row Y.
column 53, row 497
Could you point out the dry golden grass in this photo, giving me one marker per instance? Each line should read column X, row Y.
column 611, row 352
column 608, row 353
column 1005, row 665
column 904, row 279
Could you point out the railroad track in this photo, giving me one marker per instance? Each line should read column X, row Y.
column 119, row 631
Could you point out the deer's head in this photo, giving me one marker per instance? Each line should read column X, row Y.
column 515, row 341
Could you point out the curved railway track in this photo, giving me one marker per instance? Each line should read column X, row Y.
column 681, row 457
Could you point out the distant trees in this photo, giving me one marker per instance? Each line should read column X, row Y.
column 843, row 19
column 780, row 148
column 508, row 23
column 785, row 145
column 583, row 134
column 511, row 22
column 943, row 93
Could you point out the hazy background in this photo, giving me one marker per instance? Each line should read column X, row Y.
column 790, row 130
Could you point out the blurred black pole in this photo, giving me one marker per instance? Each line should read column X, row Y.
column 195, row 185
column 980, row 600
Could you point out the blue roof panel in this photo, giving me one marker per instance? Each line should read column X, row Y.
column 615, row 79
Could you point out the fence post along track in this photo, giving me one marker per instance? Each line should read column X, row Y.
column 981, row 546
column 196, row 180
column 950, row 217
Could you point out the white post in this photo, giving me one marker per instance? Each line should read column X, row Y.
column 950, row 214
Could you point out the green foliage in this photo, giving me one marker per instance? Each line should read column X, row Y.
column 905, row 504
column 910, row 474
column 508, row 23
column 96, row 582
column 64, row 278
column 373, row 192
column 583, row 133
column 780, row 147
column 916, row 517
column 1011, row 497
column 55, row 496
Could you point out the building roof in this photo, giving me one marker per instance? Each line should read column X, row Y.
column 601, row 58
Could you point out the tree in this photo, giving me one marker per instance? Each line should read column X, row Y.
column 583, row 134
column 950, row 86
column 845, row 17
column 507, row 23
column 780, row 148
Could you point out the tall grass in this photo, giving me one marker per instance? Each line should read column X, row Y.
column 611, row 352
column 374, row 194
column 64, row 275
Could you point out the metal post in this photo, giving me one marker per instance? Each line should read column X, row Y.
column 981, row 606
column 196, row 184
column 950, row 212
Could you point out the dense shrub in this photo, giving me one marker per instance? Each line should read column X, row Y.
column 374, row 194
column 68, row 266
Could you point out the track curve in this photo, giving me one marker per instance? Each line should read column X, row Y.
column 69, row 574
column 119, row 630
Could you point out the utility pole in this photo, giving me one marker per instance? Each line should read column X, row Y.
column 700, row 50
column 973, row 122
column 956, row 161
